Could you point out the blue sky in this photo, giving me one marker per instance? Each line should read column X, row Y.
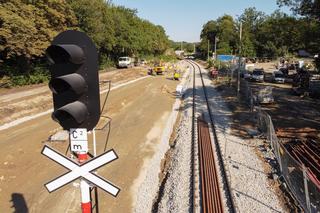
column 183, row 19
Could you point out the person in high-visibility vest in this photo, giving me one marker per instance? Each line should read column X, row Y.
column 176, row 75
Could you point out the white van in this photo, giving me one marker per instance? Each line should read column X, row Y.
column 125, row 62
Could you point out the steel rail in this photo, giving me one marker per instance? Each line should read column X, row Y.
column 211, row 199
column 204, row 192
column 192, row 197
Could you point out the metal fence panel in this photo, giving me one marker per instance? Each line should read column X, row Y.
column 305, row 191
column 297, row 179
column 314, row 196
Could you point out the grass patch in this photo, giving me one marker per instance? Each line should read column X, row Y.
column 39, row 74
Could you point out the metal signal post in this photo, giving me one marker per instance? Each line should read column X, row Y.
column 239, row 69
column 74, row 83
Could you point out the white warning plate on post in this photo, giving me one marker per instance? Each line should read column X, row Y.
column 78, row 140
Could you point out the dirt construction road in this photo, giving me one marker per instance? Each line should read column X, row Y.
column 24, row 101
column 138, row 111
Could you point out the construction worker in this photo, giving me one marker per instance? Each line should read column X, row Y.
column 176, row 75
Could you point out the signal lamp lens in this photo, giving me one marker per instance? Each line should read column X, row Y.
column 59, row 54
column 71, row 115
column 74, row 82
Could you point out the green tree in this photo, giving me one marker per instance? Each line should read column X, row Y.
column 278, row 35
column 224, row 29
column 27, row 27
column 95, row 20
column 227, row 34
column 251, row 20
column 309, row 8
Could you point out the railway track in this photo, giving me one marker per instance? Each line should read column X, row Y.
column 211, row 199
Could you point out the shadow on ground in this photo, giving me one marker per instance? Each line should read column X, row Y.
column 19, row 203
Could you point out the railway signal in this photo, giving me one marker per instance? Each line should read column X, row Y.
column 74, row 80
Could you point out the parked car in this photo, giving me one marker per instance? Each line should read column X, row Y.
column 258, row 75
column 291, row 66
column 278, row 77
column 246, row 74
column 284, row 70
column 125, row 62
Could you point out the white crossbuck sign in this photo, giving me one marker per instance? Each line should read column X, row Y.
column 83, row 170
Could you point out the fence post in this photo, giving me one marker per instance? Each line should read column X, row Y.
column 270, row 132
column 306, row 190
column 278, row 152
column 259, row 118
column 251, row 101
column 275, row 143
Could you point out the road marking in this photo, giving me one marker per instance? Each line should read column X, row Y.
column 31, row 117
column 24, row 119
column 84, row 170
column 125, row 84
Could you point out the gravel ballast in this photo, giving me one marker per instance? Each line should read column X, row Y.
column 147, row 183
column 249, row 183
column 176, row 191
column 250, row 189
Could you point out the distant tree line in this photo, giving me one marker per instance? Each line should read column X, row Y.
column 274, row 35
column 187, row 47
column 28, row 26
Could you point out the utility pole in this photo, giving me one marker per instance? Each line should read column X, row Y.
column 208, row 49
column 240, row 36
column 215, row 47
column 194, row 48
column 181, row 45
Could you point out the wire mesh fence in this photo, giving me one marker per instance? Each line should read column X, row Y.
column 297, row 177
column 247, row 94
column 299, row 180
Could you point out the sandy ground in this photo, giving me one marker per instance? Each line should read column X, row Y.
column 138, row 113
column 19, row 102
column 293, row 116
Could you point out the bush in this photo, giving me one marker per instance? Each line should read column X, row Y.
column 106, row 62
column 317, row 63
column 168, row 58
column 163, row 58
column 210, row 63
column 40, row 74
